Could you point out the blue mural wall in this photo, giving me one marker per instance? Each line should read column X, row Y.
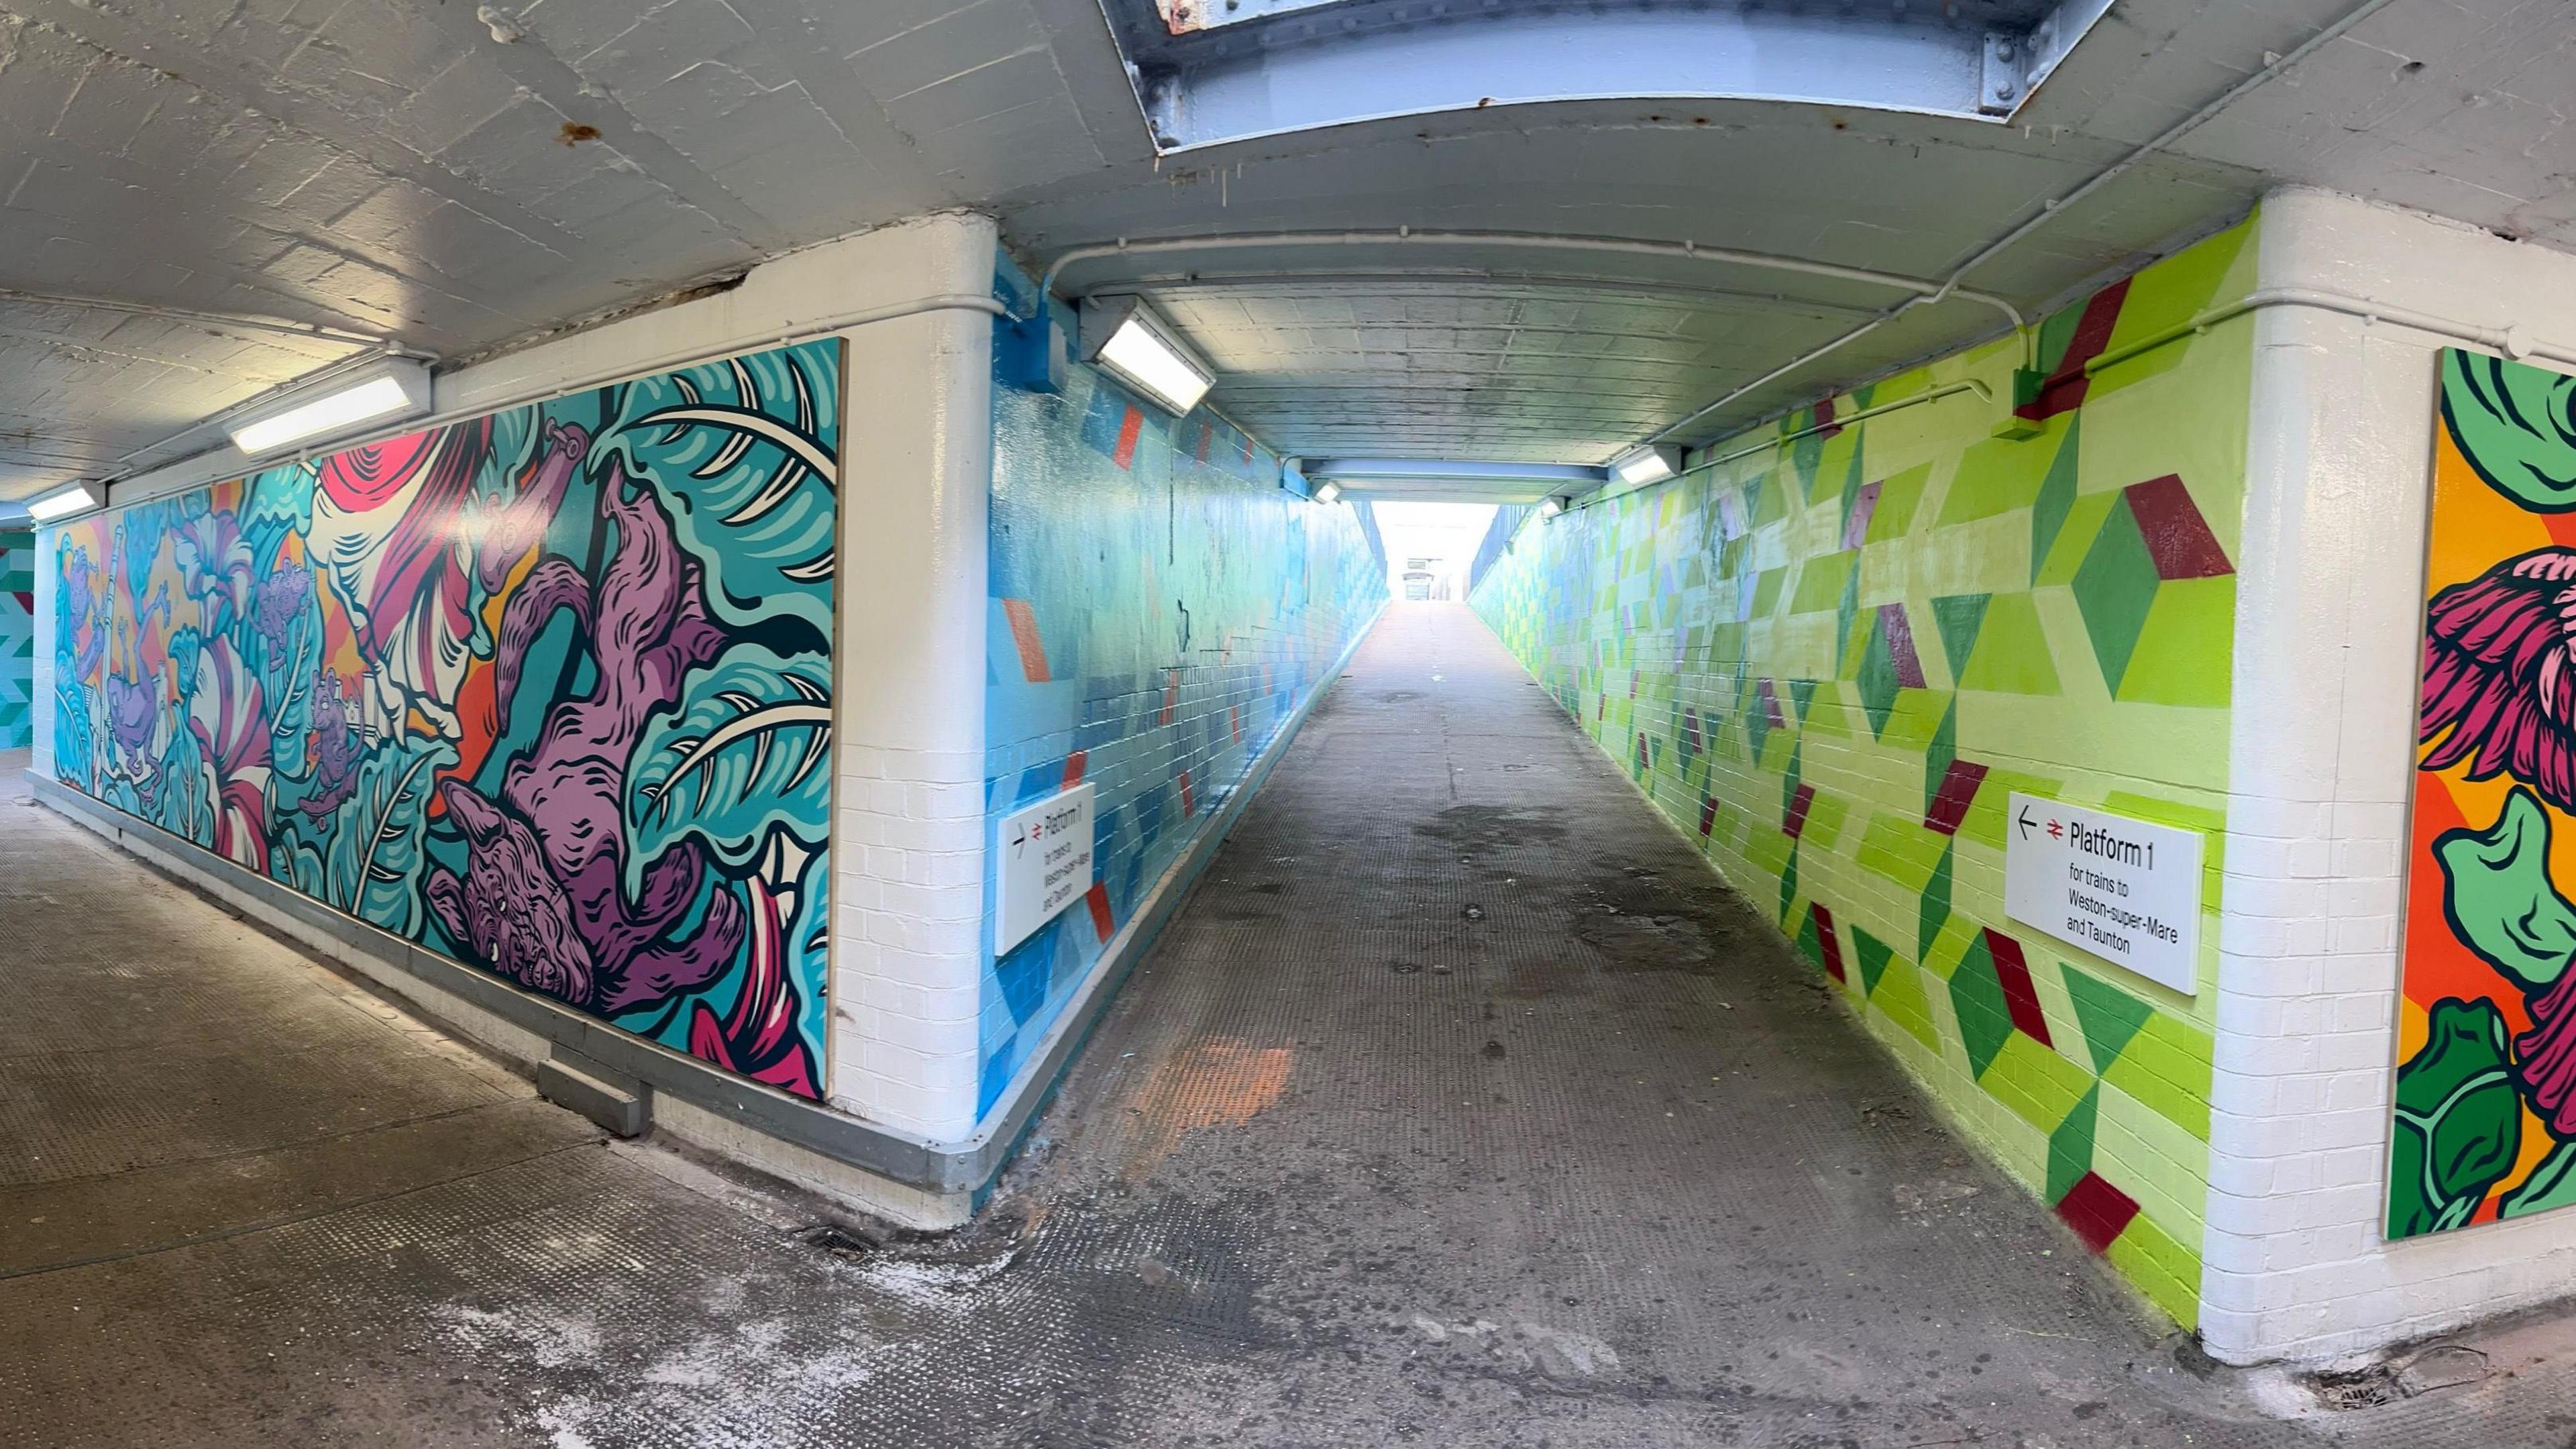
column 1160, row 607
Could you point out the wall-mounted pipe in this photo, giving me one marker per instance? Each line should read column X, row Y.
column 1382, row 470
column 1923, row 290
column 1396, row 277
column 310, row 331
column 793, row 332
column 1665, row 433
column 2051, row 209
column 2509, row 341
column 122, row 466
column 1984, row 394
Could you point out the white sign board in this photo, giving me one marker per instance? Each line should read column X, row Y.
column 1045, row 854
column 2125, row 890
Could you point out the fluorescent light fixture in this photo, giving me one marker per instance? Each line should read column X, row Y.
column 1652, row 463
column 1550, row 507
column 1139, row 349
column 65, row 501
column 1327, row 492
column 393, row 388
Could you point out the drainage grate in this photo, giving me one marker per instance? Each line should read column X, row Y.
column 2366, row 1388
column 839, row 1242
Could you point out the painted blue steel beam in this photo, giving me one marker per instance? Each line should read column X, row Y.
column 1208, row 75
column 1444, row 480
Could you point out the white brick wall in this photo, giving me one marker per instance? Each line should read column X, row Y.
column 908, row 924
column 41, row 689
column 2327, row 652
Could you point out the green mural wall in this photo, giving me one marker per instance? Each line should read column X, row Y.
column 1830, row 662
column 17, row 638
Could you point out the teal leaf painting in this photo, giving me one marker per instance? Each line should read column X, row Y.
column 748, row 751
column 2516, row 424
column 2496, row 890
column 744, row 454
column 372, row 864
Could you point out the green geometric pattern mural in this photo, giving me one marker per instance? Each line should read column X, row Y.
column 17, row 638
column 1833, row 661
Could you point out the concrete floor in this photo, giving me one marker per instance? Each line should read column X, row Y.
column 1461, row 1106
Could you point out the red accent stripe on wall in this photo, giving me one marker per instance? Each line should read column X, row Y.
column 1128, row 428
column 1073, row 767
column 2020, row 997
column 1024, row 632
column 1098, row 899
column 1794, row 823
column 1958, row 791
column 2064, row 391
column 1831, row 944
column 2097, row 1211
column 2178, row 538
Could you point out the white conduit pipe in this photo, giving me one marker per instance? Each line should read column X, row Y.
column 1924, row 290
column 2049, row 210
column 793, row 332
column 311, row 331
column 1969, row 385
column 322, row 374
column 2509, row 341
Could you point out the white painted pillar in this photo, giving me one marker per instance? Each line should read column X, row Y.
column 2321, row 764
column 909, row 842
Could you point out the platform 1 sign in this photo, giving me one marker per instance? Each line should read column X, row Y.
column 2125, row 890
column 1045, row 854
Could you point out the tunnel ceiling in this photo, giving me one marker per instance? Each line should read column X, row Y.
column 463, row 179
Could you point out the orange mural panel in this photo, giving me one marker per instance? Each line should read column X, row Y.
column 2485, row 1111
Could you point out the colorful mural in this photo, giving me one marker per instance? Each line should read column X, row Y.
column 1160, row 606
column 2486, row 1082
column 548, row 692
column 17, row 639
column 1831, row 662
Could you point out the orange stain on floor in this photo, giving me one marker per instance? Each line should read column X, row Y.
column 1221, row 1082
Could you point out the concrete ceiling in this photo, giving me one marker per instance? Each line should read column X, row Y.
column 463, row 179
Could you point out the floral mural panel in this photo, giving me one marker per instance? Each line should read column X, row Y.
column 2486, row 1080
column 548, row 692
